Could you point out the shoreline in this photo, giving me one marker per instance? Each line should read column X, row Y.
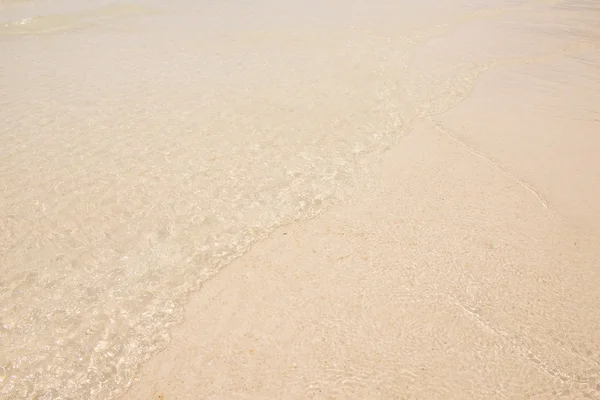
column 438, row 162
column 398, row 294
column 458, row 269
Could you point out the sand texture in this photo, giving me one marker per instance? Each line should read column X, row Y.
column 446, row 279
column 300, row 199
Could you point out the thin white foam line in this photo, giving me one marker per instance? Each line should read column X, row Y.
column 22, row 21
column 471, row 150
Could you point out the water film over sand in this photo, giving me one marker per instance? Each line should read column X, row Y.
column 405, row 195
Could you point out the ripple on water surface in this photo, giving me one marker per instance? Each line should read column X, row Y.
column 138, row 159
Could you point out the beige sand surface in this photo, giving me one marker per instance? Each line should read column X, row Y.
column 467, row 267
column 409, row 190
column 445, row 279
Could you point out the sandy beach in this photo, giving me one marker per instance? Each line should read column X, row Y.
column 348, row 200
column 446, row 276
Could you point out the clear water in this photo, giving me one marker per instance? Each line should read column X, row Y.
column 143, row 146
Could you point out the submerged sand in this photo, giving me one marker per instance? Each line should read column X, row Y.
column 445, row 279
column 465, row 265
column 367, row 199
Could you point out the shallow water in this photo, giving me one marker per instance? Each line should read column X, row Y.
column 144, row 145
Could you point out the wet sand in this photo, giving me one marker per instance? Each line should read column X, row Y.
column 465, row 265
column 445, row 279
column 300, row 200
